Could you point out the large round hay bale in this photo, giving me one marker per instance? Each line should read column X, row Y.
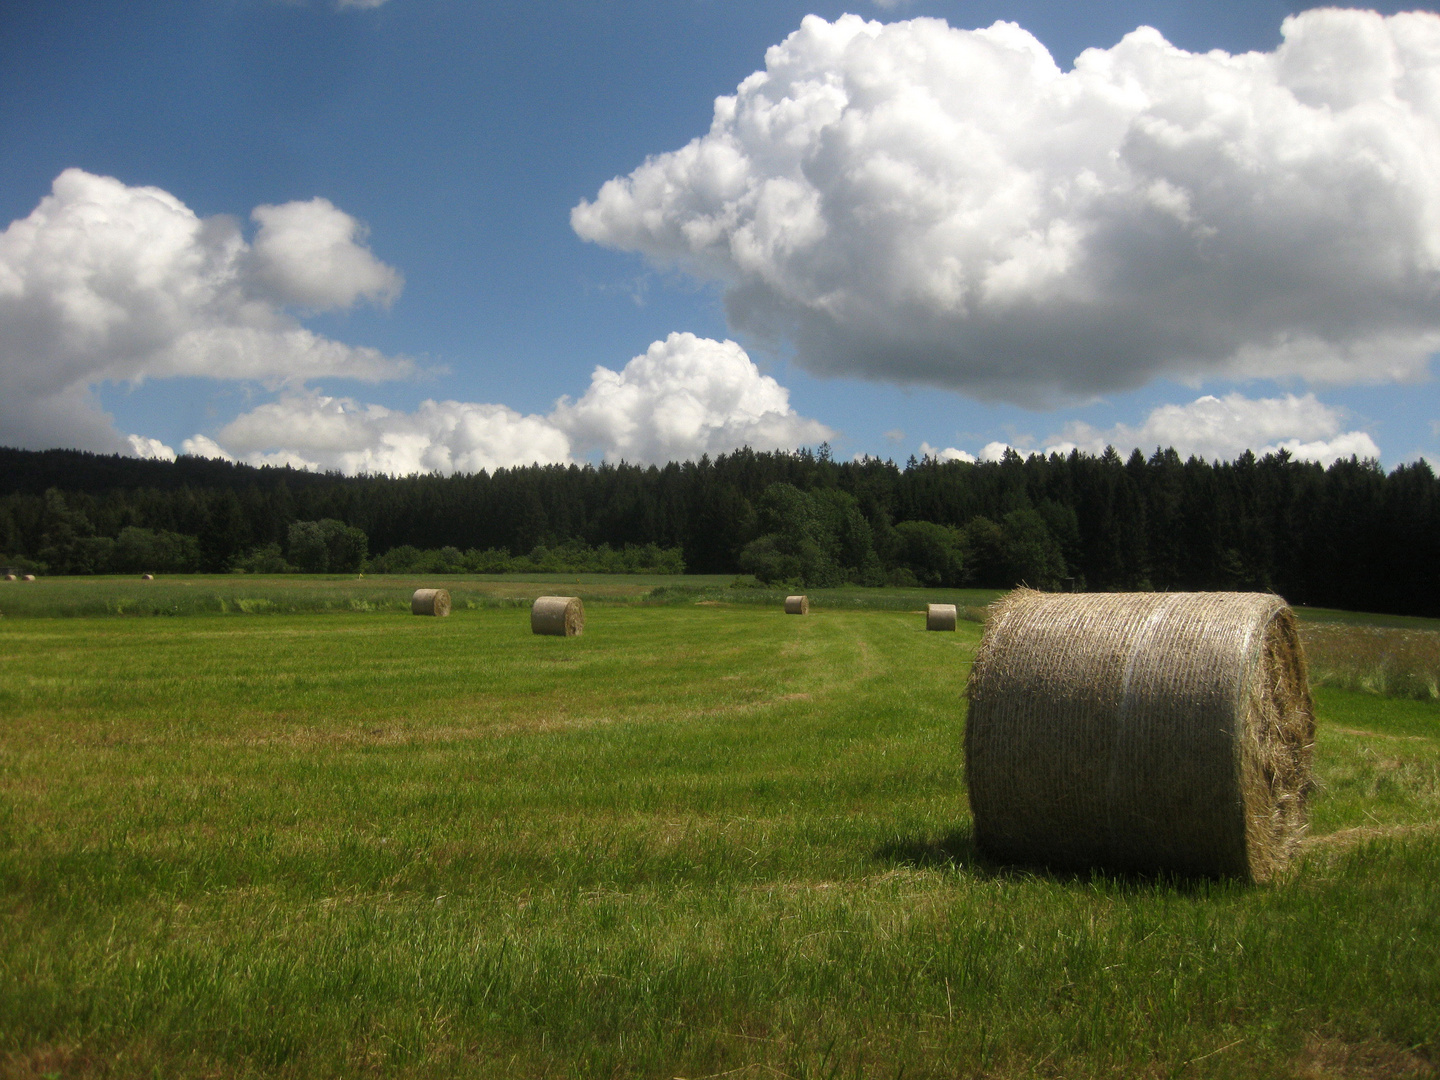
column 1140, row 732
column 29, row 577
column 941, row 616
column 11, row 577
column 430, row 602
column 797, row 605
column 147, row 577
column 561, row 616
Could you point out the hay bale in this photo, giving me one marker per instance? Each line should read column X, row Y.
column 1141, row 732
column 430, row 602
column 560, row 616
column 941, row 616
column 147, row 577
column 797, row 605
column 11, row 577
column 29, row 577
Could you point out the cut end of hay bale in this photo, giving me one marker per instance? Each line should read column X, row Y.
column 941, row 616
column 430, row 602
column 1141, row 732
column 557, row 616
column 797, row 605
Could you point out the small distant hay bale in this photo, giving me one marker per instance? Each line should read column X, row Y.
column 147, row 577
column 10, row 577
column 797, row 605
column 28, row 577
column 941, row 616
column 1141, row 732
column 430, row 602
column 558, row 616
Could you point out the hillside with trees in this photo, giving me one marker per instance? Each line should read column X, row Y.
column 1350, row 535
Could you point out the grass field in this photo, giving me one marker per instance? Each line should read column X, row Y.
column 703, row 839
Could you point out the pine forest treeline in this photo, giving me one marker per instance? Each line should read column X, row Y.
column 1348, row 536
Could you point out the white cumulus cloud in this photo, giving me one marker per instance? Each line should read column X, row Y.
column 312, row 254
column 948, row 454
column 310, row 430
column 918, row 203
column 1220, row 429
column 684, row 397
column 144, row 447
column 107, row 282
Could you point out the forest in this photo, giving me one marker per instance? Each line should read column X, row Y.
column 1348, row 536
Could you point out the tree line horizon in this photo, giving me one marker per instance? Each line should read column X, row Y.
column 1349, row 535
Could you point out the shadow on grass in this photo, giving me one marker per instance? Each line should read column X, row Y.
column 957, row 852
column 953, row 851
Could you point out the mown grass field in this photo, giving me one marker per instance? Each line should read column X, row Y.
column 704, row 838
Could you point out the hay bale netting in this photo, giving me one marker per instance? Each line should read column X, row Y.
column 1140, row 732
column 941, row 616
column 430, row 602
column 561, row 616
column 797, row 605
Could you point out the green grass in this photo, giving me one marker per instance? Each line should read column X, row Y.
column 702, row 838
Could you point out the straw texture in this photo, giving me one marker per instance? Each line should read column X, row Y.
column 430, row 602
column 941, row 617
column 562, row 616
column 797, row 605
column 1141, row 732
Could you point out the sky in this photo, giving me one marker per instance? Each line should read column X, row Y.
column 433, row 235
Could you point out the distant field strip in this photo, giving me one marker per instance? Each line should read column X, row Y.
column 296, row 594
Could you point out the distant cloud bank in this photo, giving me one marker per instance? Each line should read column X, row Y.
column 1209, row 427
column 684, row 397
column 920, row 204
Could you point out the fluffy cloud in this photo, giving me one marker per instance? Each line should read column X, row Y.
column 923, row 204
column 1221, row 428
column 144, row 447
column 309, row 430
column 106, row 282
column 685, row 396
column 312, row 254
column 948, row 454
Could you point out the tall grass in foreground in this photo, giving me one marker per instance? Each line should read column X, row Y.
column 694, row 841
column 1376, row 660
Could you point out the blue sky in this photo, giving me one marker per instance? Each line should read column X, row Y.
column 451, row 142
